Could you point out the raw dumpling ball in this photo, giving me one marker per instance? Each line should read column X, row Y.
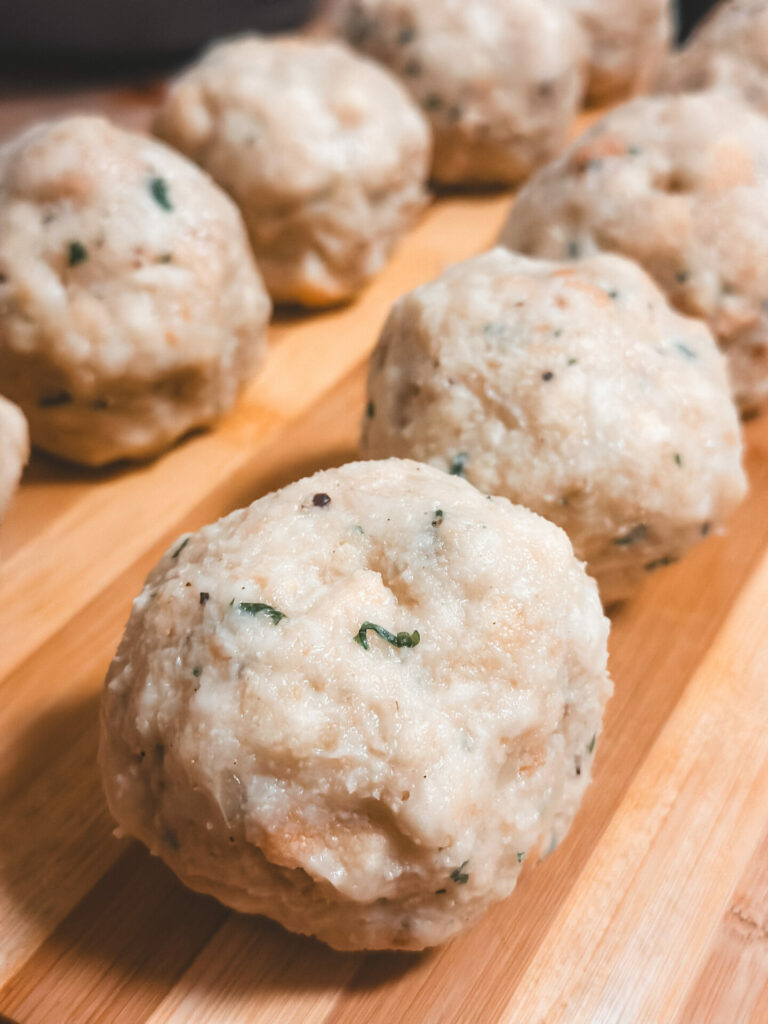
column 729, row 50
column 499, row 79
column 131, row 310
column 680, row 184
column 14, row 451
column 324, row 152
column 571, row 389
column 628, row 40
column 359, row 706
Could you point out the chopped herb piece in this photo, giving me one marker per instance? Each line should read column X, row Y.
column 678, row 459
column 321, row 500
column 659, row 563
column 370, row 410
column 705, row 528
column 494, row 329
column 613, row 293
column 438, row 517
column 405, row 36
column 682, row 276
column 520, row 856
column 204, row 597
column 77, row 254
column 683, row 349
column 256, row 607
column 573, row 250
column 591, row 744
column 572, row 361
column 165, row 258
column 547, row 375
column 396, row 639
column 635, row 534
column 634, row 150
column 181, row 547
column 159, row 190
column 439, row 892
column 197, row 671
column 459, row 465
column 458, row 875
column 433, row 101
column 58, row 398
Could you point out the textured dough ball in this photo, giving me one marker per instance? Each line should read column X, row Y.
column 14, row 451
column 325, row 153
column 628, row 40
column 499, row 79
column 373, row 795
column 131, row 310
column 680, row 184
column 729, row 50
column 572, row 389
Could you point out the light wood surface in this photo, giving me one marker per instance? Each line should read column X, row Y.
column 655, row 909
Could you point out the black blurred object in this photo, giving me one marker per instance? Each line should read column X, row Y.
column 690, row 12
column 146, row 30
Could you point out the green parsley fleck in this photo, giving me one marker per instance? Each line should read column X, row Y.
column 520, row 856
column 678, row 459
column 370, row 410
column 438, row 517
column 396, row 639
column 494, row 329
column 197, row 671
column 159, row 190
column 459, row 875
column 683, row 349
column 572, row 361
column 433, row 101
column 573, row 251
column 459, row 465
column 682, row 276
column 77, row 254
column 591, row 744
column 181, row 547
column 257, row 607
column 165, row 258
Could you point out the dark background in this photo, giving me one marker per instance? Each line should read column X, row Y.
column 98, row 32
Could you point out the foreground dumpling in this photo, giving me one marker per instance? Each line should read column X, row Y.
column 499, row 79
column 571, row 389
column 131, row 310
column 360, row 705
column 729, row 50
column 14, row 451
column 628, row 40
column 680, row 184
column 325, row 153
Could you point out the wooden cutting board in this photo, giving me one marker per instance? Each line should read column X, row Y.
column 654, row 910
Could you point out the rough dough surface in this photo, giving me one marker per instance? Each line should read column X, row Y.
column 572, row 389
column 375, row 798
column 628, row 40
column 680, row 184
column 325, row 153
column 131, row 310
column 499, row 79
column 728, row 51
column 14, row 451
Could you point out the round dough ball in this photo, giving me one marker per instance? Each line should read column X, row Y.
column 572, row 389
column 14, row 451
column 325, row 153
column 729, row 50
column 628, row 40
column 680, row 184
column 499, row 79
column 377, row 794
column 131, row 310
